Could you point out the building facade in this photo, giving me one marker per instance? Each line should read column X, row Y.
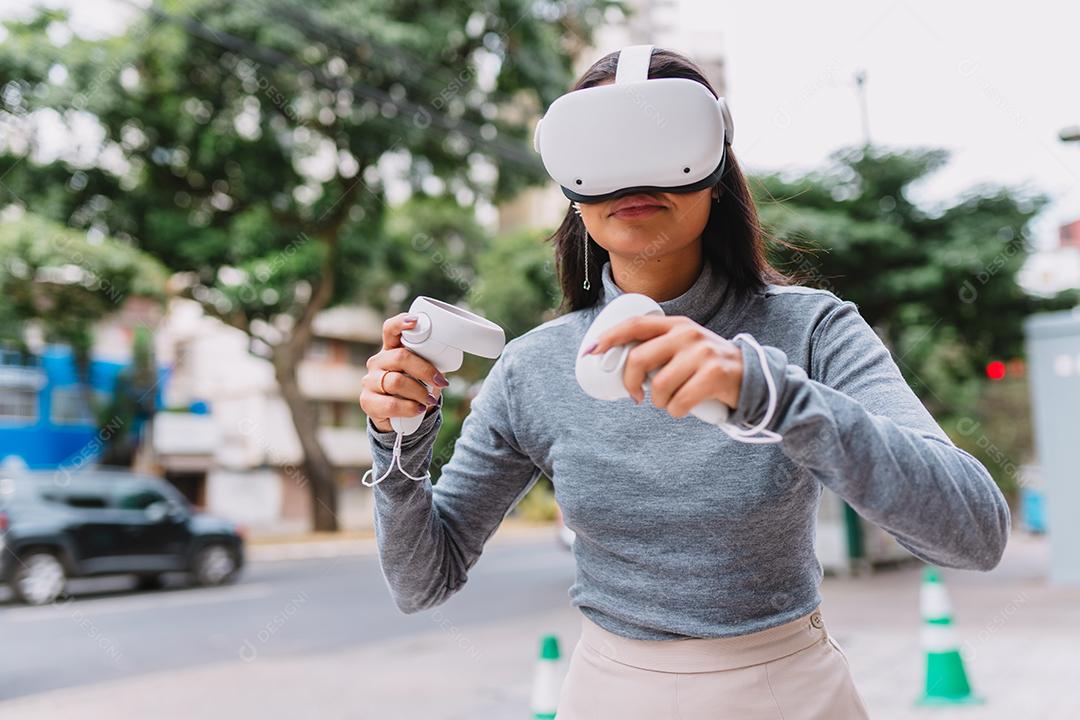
column 226, row 437
column 51, row 409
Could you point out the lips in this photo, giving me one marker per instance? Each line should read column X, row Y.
column 634, row 204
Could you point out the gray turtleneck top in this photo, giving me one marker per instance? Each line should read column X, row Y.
column 681, row 530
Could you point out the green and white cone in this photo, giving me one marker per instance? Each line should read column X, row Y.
column 946, row 681
column 546, row 680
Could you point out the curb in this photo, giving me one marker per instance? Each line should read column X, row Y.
column 359, row 547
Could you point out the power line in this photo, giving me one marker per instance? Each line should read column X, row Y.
column 414, row 64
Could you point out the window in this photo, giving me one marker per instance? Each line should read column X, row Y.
column 324, row 413
column 360, row 352
column 18, row 403
column 70, row 407
column 332, row 413
column 138, row 497
column 75, row 500
column 354, row 416
column 319, row 349
column 85, row 501
column 337, row 413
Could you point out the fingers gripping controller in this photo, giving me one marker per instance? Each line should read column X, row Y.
column 442, row 335
column 613, row 364
column 601, row 376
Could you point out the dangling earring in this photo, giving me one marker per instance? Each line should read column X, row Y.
column 586, row 284
column 716, row 194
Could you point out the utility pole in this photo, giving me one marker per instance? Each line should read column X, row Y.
column 860, row 89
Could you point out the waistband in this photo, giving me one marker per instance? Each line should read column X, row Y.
column 706, row 654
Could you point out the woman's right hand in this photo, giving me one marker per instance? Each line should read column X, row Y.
column 402, row 374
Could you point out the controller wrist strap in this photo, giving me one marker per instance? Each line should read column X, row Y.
column 395, row 459
column 758, row 434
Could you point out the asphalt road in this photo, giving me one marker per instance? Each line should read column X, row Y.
column 109, row 631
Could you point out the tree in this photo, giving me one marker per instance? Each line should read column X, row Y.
column 64, row 283
column 251, row 145
column 518, row 288
column 515, row 286
column 132, row 404
column 938, row 284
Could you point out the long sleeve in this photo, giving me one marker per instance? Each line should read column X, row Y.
column 429, row 536
column 860, row 430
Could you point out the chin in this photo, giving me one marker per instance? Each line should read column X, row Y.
column 649, row 238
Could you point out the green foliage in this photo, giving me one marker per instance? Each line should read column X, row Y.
column 132, row 402
column 518, row 288
column 454, row 410
column 539, row 504
column 938, row 284
column 251, row 135
column 429, row 247
column 253, row 146
column 514, row 287
column 65, row 282
column 999, row 432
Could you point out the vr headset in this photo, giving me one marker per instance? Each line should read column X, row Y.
column 635, row 135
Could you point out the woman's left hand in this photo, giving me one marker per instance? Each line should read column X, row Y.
column 695, row 364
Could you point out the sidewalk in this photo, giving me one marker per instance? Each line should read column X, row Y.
column 362, row 542
column 1020, row 635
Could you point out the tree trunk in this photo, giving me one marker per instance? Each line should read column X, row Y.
column 318, row 471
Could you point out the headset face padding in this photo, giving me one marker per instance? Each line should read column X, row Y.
column 635, row 135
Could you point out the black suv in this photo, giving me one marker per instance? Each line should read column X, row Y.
column 55, row 525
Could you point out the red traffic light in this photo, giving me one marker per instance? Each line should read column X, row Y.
column 995, row 370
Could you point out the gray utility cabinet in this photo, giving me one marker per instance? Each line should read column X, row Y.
column 1053, row 348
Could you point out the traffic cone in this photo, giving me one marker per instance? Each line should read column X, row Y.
column 546, row 680
column 946, row 681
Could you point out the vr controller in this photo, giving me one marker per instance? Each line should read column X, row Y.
column 442, row 335
column 601, row 376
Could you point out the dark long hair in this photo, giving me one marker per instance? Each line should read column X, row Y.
column 733, row 240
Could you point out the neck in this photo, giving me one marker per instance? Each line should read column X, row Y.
column 662, row 277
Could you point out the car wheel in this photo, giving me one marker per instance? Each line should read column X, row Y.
column 214, row 565
column 39, row 578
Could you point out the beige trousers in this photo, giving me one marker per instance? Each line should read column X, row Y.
column 794, row 671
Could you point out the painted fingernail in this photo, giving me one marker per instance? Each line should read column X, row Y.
column 431, row 400
column 409, row 318
column 440, row 380
column 589, row 349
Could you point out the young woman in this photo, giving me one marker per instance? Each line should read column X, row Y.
column 697, row 579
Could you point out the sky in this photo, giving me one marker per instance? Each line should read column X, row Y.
column 993, row 83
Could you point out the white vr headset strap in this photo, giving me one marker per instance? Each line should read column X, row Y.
column 633, row 64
